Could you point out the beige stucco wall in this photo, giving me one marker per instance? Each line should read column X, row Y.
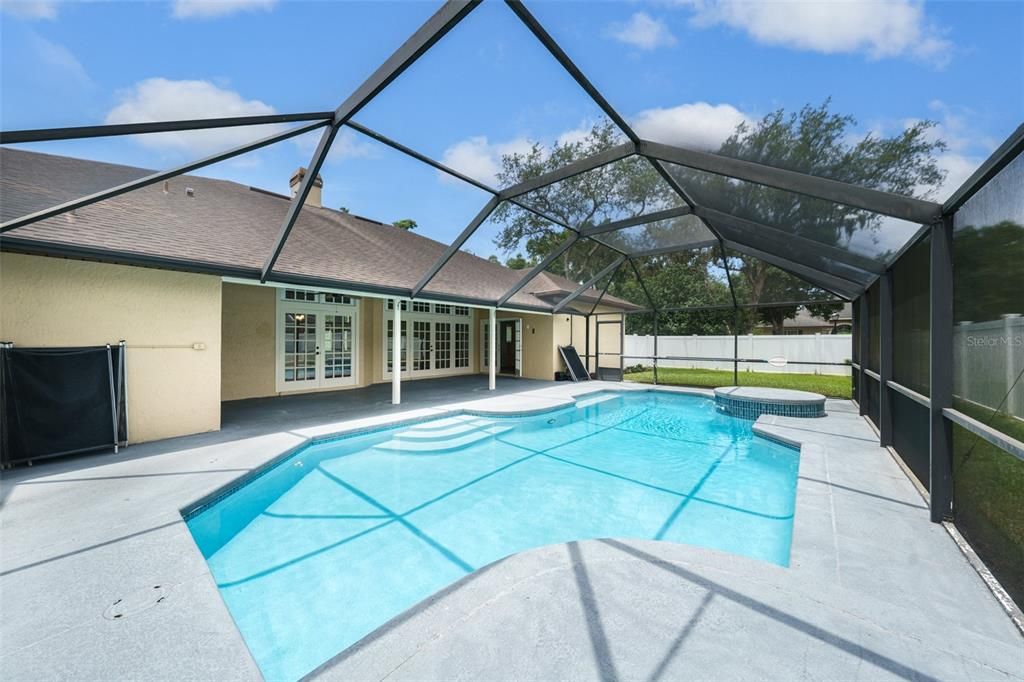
column 172, row 388
column 539, row 352
column 248, row 358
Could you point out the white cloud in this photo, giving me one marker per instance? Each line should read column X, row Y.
column 211, row 9
column 57, row 59
column 642, row 31
column 30, row 9
column 698, row 125
column 160, row 99
column 879, row 28
column 478, row 158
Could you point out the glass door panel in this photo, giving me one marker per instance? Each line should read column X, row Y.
column 421, row 345
column 391, row 343
column 337, row 349
column 442, row 345
column 300, row 349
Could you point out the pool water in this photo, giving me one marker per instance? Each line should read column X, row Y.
column 344, row 535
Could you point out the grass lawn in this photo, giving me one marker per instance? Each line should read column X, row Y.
column 988, row 486
column 826, row 384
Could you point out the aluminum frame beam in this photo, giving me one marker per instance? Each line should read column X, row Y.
column 453, row 248
column 398, row 146
column 795, row 251
column 570, row 170
column 114, row 130
column 876, row 201
column 539, row 268
column 645, row 219
column 819, row 249
column 154, row 178
column 643, row 286
column 600, row 298
column 679, row 248
column 840, row 287
column 435, row 28
column 559, row 54
column 940, row 332
column 614, row 265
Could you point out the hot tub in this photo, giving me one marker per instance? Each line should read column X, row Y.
column 750, row 402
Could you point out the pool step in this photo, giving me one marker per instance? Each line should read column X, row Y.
column 589, row 401
column 455, row 430
column 403, row 443
column 448, row 422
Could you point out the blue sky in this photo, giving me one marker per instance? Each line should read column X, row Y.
column 685, row 71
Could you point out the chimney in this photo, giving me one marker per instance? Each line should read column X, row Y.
column 313, row 198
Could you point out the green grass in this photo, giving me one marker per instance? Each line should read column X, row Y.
column 988, row 486
column 826, row 384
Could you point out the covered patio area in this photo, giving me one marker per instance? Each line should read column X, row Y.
column 243, row 418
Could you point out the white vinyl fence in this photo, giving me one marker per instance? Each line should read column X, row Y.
column 781, row 350
column 988, row 357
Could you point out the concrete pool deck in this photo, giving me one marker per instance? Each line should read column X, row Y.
column 873, row 590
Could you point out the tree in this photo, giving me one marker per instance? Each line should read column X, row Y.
column 517, row 262
column 405, row 224
column 813, row 140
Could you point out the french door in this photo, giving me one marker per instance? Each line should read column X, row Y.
column 316, row 346
column 432, row 344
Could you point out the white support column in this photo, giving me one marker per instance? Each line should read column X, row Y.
column 492, row 345
column 396, row 355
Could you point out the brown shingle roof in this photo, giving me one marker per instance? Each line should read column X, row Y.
column 225, row 225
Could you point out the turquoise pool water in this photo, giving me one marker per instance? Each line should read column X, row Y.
column 344, row 535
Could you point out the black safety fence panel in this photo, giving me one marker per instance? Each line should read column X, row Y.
column 873, row 398
column 61, row 401
column 910, row 437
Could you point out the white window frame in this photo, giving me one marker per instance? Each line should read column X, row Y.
column 408, row 319
column 320, row 309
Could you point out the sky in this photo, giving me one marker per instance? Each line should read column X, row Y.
column 681, row 71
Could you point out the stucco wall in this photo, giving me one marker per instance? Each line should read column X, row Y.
column 248, row 358
column 172, row 389
column 539, row 350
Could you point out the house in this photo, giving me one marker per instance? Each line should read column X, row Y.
column 804, row 322
column 173, row 269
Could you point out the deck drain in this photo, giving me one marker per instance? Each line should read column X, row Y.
column 137, row 601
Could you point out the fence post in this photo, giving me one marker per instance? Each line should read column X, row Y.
column 1011, row 321
column 940, row 470
column 655, row 353
column 885, row 341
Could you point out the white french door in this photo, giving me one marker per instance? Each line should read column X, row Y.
column 316, row 346
column 435, row 340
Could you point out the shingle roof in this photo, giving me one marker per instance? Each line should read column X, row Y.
column 231, row 227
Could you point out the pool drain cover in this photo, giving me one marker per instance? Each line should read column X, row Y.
column 137, row 601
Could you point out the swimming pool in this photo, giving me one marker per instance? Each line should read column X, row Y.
column 345, row 534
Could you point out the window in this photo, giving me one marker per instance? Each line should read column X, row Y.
column 442, row 309
column 391, row 304
column 299, row 295
column 461, row 344
column 338, row 299
column 420, row 307
column 462, row 311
